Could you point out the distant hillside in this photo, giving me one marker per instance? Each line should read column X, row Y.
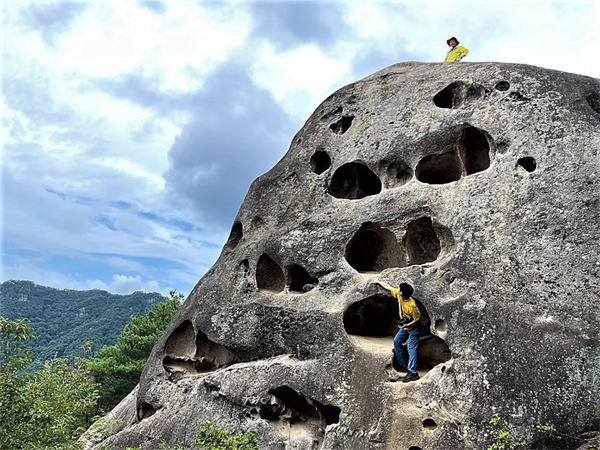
column 64, row 319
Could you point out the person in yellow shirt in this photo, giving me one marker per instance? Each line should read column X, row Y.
column 457, row 52
column 410, row 328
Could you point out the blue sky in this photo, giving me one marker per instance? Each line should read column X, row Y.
column 131, row 130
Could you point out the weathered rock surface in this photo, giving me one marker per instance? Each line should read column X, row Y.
column 477, row 183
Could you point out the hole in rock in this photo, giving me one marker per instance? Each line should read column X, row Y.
column 440, row 326
column 182, row 341
column 206, row 356
column 320, row 162
column 354, row 181
column 373, row 249
column 474, row 151
column 146, row 410
column 291, row 406
column 593, row 100
column 244, row 268
column 502, row 85
column 414, row 447
column 457, row 93
column 429, row 424
column 342, row 125
column 269, row 276
column 373, row 323
column 330, row 114
column 300, row 279
column 527, row 163
column 421, row 242
column 439, row 169
column 235, row 235
column 394, row 173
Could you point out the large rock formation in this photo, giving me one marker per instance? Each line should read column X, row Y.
column 478, row 184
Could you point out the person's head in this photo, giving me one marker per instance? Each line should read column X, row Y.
column 452, row 42
column 406, row 290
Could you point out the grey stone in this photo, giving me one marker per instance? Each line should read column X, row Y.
column 475, row 182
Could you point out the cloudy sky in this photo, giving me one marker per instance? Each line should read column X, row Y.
column 131, row 130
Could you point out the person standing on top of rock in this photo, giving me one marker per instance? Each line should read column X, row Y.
column 457, row 52
column 410, row 328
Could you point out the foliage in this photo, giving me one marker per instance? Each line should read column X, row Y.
column 211, row 438
column 47, row 408
column 504, row 437
column 118, row 367
column 63, row 319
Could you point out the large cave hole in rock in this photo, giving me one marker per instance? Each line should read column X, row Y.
column 373, row 249
column 211, row 356
column 269, row 275
column 180, row 350
column 320, row 162
column 235, row 235
column 372, row 324
column 145, row 411
column 374, row 316
column 354, row 181
column 445, row 98
column 421, row 242
column 439, row 169
column 394, row 173
column 474, row 150
column 342, row 125
column 300, row 279
column 289, row 405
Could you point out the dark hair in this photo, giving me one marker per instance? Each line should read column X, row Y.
column 406, row 289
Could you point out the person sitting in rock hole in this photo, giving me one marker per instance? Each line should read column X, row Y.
column 457, row 52
column 409, row 330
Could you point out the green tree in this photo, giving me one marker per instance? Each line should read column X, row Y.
column 47, row 408
column 118, row 367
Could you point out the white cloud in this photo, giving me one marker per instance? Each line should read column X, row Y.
column 122, row 284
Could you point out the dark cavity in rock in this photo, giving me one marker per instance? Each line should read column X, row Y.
column 421, row 242
column 439, row 169
column 354, row 181
column 320, row 162
column 235, row 235
column 269, row 276
column 457, row 93
column 528, row 163
column 291, row 406
column 300, row 279
column 502, row 86
column 474, row 150
column 342, row 125
column 373, row 249
column 145, row 411
column 429, row 424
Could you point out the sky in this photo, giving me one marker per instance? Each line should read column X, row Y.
column 131, row 130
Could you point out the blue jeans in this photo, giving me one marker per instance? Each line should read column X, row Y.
column 413, row 342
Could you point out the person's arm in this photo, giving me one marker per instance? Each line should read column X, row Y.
column 383, row 284
column 463, row 52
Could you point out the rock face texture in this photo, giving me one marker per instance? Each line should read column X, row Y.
column 475, row 182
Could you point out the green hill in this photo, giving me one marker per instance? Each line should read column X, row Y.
column 64, row 319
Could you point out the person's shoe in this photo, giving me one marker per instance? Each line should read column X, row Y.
column 411, row 376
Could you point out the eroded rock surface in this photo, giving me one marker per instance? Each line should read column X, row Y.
column 477, row 183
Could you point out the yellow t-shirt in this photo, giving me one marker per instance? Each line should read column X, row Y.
column 456, row 53
column 407, row 308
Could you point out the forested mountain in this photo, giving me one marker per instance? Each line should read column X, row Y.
column 64, row 320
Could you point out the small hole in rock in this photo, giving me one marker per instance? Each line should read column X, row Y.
column 445, row 98
column 294, row 407
column 300, row 279
column 373, row 249
column 244, row 267
column 146, row 410
column 429, row 424
column 342, row 125
column 269, row 276
column 527, row 163
column 421, row 242
column 593, row 100
column 414, row 447
column 440, row 326
column 320, row 162
column 439, row 169
column 502, row 86
column 235, row 235
column 354, row 181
